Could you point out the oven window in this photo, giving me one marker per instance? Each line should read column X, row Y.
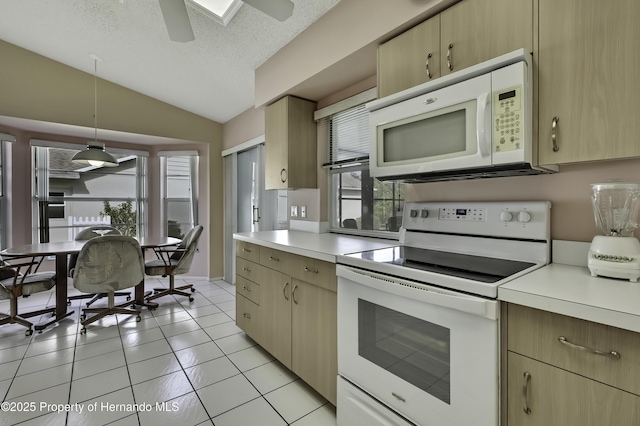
column 415, row 350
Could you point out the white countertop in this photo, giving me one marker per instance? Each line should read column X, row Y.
column 571, row 290
column 322, row 246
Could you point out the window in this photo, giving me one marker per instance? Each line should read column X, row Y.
column 359, row 203
column 69, row 197
column 179, row 174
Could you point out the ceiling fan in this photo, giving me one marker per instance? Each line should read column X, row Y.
column 179, row 28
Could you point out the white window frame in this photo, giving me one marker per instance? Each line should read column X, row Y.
column 336, row 166
column 40, row 187
column 193, row 197
column 5, row 214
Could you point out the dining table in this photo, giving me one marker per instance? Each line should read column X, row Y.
column 61, row 250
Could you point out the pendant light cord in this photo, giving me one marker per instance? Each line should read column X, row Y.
column 95, row 99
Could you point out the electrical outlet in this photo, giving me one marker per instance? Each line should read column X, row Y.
column 303, row 211
column 294, row 211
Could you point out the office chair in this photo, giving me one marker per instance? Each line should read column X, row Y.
column 20, row 278
column 87, row 234
column 105, row 265
column 350, row 223
column 173, row 261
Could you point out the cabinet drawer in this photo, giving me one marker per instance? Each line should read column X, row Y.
column 248, row 251
column 314, row 271
column 555, row 397
column 248, row 317
column 275, row 259
column 248, row 289
column 537, row 334
column 248, row 270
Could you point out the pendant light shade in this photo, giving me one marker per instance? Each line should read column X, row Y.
column 95, row 155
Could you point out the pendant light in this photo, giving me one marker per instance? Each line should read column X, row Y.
column 95, row 155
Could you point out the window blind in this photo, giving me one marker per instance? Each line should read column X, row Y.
column 349, row 137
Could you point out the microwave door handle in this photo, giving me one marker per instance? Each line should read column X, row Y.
column 483, row 124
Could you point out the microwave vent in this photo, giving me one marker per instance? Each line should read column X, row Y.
column 519, row 169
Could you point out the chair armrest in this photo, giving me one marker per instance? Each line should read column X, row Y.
column 164, row 253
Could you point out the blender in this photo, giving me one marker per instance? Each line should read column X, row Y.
column 616, row 253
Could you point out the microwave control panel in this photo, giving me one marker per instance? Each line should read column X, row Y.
column 508, row 128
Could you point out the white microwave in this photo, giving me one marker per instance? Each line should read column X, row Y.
column 471, row 124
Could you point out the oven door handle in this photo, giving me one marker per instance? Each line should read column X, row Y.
column 436, row 296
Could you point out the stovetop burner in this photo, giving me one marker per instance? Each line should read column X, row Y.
column 477, row 268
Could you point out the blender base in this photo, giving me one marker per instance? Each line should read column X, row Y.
column 615, row 257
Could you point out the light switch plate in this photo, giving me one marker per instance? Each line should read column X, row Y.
column 294, row 211
column 303, row 211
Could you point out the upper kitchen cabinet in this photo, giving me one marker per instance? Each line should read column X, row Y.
column 291, row 153
column 475, row 31
column 467, row 33
column 409, row 59
column 588, row 87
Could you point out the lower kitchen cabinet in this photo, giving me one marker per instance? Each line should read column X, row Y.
column 564, row 371
column 295, row 303
column 314, row 341
column 275, row 321
column 542, row 395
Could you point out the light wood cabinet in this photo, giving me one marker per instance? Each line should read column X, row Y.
column 587, row 78
column 290, row 144
column 295, row 302
column 475, row 31
column 314, row 341
column 275, row 320
column 569, row 372
column 248, row 313
column 465, row 34
column 409, row 59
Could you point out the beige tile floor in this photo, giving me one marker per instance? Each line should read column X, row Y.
column 184, row 363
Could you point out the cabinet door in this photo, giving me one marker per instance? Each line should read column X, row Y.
column 276, row 145
column 275, row 315
column 587, row 73
column 315, row 329
column 556, row 397
column 479, row 30
column 409, row 59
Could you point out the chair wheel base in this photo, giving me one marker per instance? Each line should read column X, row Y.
column 193, row 290
column 138, row 318
column 28, row 332
column 191, row 299
column 83, row 330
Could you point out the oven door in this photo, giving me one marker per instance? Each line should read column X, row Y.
column 427, row 353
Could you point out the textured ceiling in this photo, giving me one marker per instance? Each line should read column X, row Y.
column 212, row 76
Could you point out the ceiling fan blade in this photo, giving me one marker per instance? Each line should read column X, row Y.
column 177, row 21
column 278, row 9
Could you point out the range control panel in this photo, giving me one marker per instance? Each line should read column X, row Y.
column 527, row 220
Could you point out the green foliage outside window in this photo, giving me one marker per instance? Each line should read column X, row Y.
column 123, row 218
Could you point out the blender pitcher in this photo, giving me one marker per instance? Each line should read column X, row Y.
column 616, row 253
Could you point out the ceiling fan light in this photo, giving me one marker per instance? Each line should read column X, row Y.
column 95, row 155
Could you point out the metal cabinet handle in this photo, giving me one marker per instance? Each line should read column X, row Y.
column 525, row 392
column 449, row 64
column 245, row 288
column 554, row 134
column 247, row 316
column 275, row 259
column 610, row 354
column 283, row 175
column 315, row 271
column 293, row 294
column 246, row 250
column 427, row 66
column 284, row 291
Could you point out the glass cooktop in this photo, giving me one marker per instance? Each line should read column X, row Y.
column 477, row 268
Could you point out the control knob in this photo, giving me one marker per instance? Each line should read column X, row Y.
column 506, row 216
column 524, row 217
column 424, row 213
column 413, row 213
